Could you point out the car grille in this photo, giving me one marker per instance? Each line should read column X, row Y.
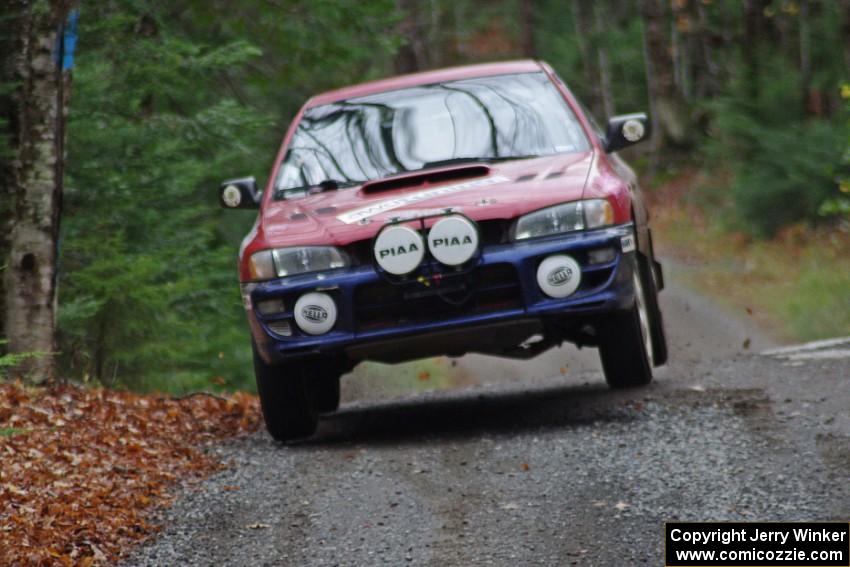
column 490, row 288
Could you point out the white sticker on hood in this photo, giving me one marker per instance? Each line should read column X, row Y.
column 390, row 204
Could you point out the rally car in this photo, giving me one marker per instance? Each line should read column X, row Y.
column 472, row 209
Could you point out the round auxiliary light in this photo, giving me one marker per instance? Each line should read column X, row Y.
column 453, row 240
column 315, row 313
column 399, row 250
column 633, row 130
column 231, row 196
column 559, row 276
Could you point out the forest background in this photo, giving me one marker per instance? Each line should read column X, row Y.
column 748, row 166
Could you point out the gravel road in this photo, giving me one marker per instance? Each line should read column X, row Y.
column 536, row 463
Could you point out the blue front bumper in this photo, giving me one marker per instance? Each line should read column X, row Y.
column 372, row 310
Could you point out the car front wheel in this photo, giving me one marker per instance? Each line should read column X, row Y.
column 626, row 345
column 328, row 392
column 288, row 397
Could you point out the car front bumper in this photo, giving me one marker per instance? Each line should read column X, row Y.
column 501, row 293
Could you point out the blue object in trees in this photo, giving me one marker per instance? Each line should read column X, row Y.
column 69, row 40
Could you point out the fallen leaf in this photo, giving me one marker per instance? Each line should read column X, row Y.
column 524, row 466
column 746, row 344
column 95, row 464
column 424, row 375
column 15, row 490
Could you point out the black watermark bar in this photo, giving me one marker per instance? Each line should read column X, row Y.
column 757, row 544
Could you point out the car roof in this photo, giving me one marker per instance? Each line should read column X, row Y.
column 425, row 78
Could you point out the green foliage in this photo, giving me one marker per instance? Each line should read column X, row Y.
column 163, row 109
column 146, row 277
column 308, row 46
column 622, row 39
column 10, row 431
column 837, row 205
column 8, row 360
column 785, row 165
column 820, row 308
column 791, row 173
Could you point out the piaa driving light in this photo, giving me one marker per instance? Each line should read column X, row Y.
column 281, row 262
column 569, row 217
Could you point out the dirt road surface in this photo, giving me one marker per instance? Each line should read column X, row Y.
column 536, row 463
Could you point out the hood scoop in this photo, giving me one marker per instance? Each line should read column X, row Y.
column 420, row 178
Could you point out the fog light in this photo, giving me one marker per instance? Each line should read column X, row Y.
column 315, row 313
column 282, row 328
column 453, row 240
column 399, row 250
column 269, row 306
column 559, row 276
column 601, row 255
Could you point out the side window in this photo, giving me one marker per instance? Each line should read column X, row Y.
column 592, row 119
column 600, row 133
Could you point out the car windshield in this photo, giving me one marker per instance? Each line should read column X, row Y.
column 485, row 118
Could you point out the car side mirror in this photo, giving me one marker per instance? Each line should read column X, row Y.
column 240, row 193
column 625, row 130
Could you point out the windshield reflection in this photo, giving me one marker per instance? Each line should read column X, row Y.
column 488, row 118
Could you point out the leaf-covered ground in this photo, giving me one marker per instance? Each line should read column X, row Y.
column 81, row 470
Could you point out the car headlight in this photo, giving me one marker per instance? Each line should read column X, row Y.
column 578, row 215
column 281, row 262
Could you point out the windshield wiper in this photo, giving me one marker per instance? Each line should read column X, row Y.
column 459, row 160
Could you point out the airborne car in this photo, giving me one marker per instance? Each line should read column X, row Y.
column 472, row 209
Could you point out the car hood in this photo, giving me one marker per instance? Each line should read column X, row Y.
column 482, row 192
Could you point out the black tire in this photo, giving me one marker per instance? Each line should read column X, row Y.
column 656, row 320
column 288, row 398
column 625, row 346
column 328, row 395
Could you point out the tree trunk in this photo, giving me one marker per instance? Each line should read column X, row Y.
column 812, row 104
column 845, row 32
column 410, row 56
column 753, row 27
column 670, row 112
column 707, row 72
column 583, row 19
column 604, row 66
column 33, row 180
column 526, row 18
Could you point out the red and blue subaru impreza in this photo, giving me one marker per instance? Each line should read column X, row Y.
column 473, row 209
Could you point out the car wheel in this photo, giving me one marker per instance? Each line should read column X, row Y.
column 328, row 394
column 656, row 320
column 288, row 398
column 626, row 345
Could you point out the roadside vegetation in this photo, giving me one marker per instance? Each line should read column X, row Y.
column 794, row 284
column 167, row 99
